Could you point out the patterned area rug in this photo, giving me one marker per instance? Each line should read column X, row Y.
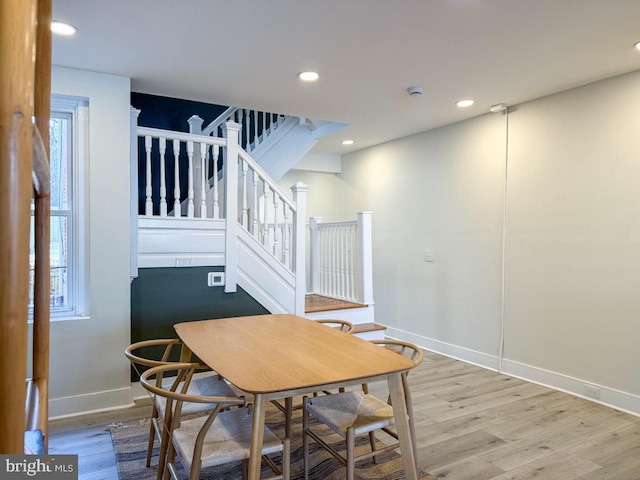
column 130, row 442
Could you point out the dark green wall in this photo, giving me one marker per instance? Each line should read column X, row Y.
column 162, row 297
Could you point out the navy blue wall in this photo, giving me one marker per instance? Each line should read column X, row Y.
column 168, row 114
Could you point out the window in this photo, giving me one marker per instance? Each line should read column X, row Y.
column 68, row 132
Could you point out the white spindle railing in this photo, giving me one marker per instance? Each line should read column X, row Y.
column 341, row 259
column 256, row 126
column 260, row 206
column 268, row 219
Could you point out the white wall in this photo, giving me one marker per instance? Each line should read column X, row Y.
column 88, row 367
column 441, row 191
column 573, row 239
column 572, row 289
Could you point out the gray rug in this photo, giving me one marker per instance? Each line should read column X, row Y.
column 130, row 442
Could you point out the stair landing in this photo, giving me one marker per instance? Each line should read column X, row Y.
column 318, row 303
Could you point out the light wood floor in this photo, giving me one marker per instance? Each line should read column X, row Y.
column 472, row 424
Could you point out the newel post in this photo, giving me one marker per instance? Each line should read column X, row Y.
column 231, row 206
column 133, row 156
column 365, row 261
column 314, row 254
column 299, row 227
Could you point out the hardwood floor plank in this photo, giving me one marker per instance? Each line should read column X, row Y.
column 556, row 467
column 469, row 468
column 471, row 424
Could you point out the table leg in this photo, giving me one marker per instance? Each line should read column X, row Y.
column 257, row 435
column 402, row 424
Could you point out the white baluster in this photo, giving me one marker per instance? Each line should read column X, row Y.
column 163, row 182
column 148, row 204
column 177, row 208
column 285, row 236
column 255, row 129
column 204, row 169
column 245, row 215
column 264, row 126
column 255, row 216
column 265, row 219
column 247, row 129
column 216, row 204
column 276, row 244
column 190, row 192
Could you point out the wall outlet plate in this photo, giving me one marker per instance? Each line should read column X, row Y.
column 215, row 279
column 428, row 256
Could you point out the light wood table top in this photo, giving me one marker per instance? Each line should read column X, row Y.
column 282, row 355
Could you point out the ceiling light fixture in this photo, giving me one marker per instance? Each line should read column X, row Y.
column 63, row 28
column 308, row 76
column 464, row 103
column 498, row 107
column 637, row 45
column 347, row 142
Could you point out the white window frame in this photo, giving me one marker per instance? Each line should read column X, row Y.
column 78, row 242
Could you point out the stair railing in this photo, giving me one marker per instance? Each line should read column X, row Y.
column 255, row 126
column 340, row 259
column 238, row 189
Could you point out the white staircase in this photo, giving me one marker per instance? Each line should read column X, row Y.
column 233, row 214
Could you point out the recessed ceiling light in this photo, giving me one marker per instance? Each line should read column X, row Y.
column 637, row 45
column 347, row 142
column 464, row 103
column 308, row 76
column 62, row 28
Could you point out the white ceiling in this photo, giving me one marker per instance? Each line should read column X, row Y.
column 246, row 53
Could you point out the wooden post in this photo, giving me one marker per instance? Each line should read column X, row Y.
column 299, row 241
column 39, row 415
column 17, row 43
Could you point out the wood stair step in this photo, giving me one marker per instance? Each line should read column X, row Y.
column 368, row 327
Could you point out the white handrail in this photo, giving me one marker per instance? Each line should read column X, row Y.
column 223, row 118
column 183, row 137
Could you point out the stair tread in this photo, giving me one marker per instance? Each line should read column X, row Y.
column 368, row 327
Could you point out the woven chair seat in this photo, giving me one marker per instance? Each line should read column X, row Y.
column 340, row 411
column 205, row 385
column 228, row 439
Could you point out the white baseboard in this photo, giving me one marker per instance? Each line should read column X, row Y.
column 474, row 357
column 610, row 397
column 90, row 403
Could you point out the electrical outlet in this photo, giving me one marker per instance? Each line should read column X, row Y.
column 591, row 391
column 183, row 262
column 215, row 279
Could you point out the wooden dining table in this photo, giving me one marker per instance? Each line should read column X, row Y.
column 281, row 355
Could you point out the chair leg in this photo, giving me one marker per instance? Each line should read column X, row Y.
column 286, row 459
column 162, row 456
column 351, row 452
column 152, row 437
column 288, row 406
column 305, row 437
column 372, row 442
column 244, row 467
